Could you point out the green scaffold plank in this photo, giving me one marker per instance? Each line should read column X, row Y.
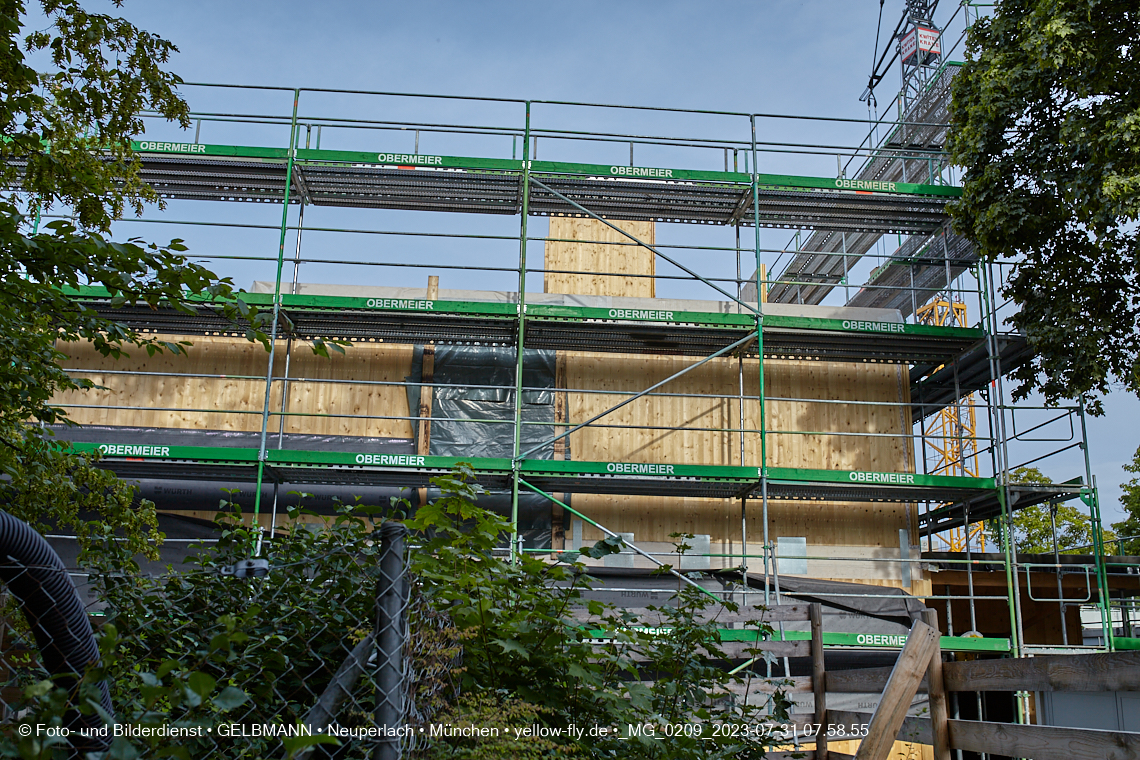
column 875, row 640
column 751, row 474
column 409, row 461
column 202, row 149
column 422, row 305
column 558, row 312
column 155, row 449
column 860, row 477
column 413, row 161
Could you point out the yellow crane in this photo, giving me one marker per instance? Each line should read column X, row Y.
column 952, row 434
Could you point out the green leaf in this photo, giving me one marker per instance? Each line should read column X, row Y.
column 229, row 698
column 508, row 645
column 293, row 744
column 201, row 683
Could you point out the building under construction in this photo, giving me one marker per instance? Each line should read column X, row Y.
column 804, row 372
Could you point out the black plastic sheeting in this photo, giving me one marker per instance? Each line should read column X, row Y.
column 640, row 587
column 457, row 410
column 886, row 603
column 455, row 428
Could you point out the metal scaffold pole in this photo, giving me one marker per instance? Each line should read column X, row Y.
column 760, row 360
column 261, row 454
column 1098, row 540
column 519, row 351
column 1001, row 450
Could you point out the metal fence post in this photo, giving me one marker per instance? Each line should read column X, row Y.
column 391, row 632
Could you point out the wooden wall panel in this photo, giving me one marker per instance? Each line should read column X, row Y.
column 830, row 444
column 361, row 361
column 233, row 403
column 600, row 254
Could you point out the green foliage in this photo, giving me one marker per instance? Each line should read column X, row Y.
column 201, row 648
column 65, row 142
column 1046, row 122
column 65, row 138
column 499, row 709
column 520, row 640
column 1130, row 500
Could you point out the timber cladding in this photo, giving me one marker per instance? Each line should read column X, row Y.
column 801, row 434
column 695, row 419
column 594, row 252
column 233, row 398
column 698, row 429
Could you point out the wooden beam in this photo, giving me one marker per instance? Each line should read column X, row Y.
column 762, row 685
column 433, row 287
column 781, row 614
column 916, row 730
column 741, row 650
column 777, row 648
column 1116, row 671
column 818, row 678
column 423, row 433
column 939, row 710
column 863, row 680
column 1043, row 742
column 1013, row 740
column 912, row 663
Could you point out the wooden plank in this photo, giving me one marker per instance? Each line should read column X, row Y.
column 916, row 730
column 912, row 663
column 423, row 432
column 720, row 615
column 862, row 681
column 1115, row 671
column 1043, row 742
column 786, row 613
column 939, row 710
column 761, row 685
column 594, row 249
column 739, row 649
column 818, row 677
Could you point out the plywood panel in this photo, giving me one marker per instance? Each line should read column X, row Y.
column 348, row 404
column 603, row 250
column 232, row 400
column 834, row 436
column 233, row 397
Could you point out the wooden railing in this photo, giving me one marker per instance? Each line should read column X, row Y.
column 919, row 667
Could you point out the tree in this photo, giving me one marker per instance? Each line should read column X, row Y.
column 65, row 142
column 1045, row 120
column 1129, row 527
column 1033, row 527
column 493, row 641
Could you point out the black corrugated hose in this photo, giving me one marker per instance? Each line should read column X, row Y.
column 36, row 576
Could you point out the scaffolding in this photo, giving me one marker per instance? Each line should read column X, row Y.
column 950, row 365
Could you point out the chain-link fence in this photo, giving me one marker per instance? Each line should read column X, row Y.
column 331, row 639
column 304, row 651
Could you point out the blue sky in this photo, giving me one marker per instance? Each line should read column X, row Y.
column 780, row 57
